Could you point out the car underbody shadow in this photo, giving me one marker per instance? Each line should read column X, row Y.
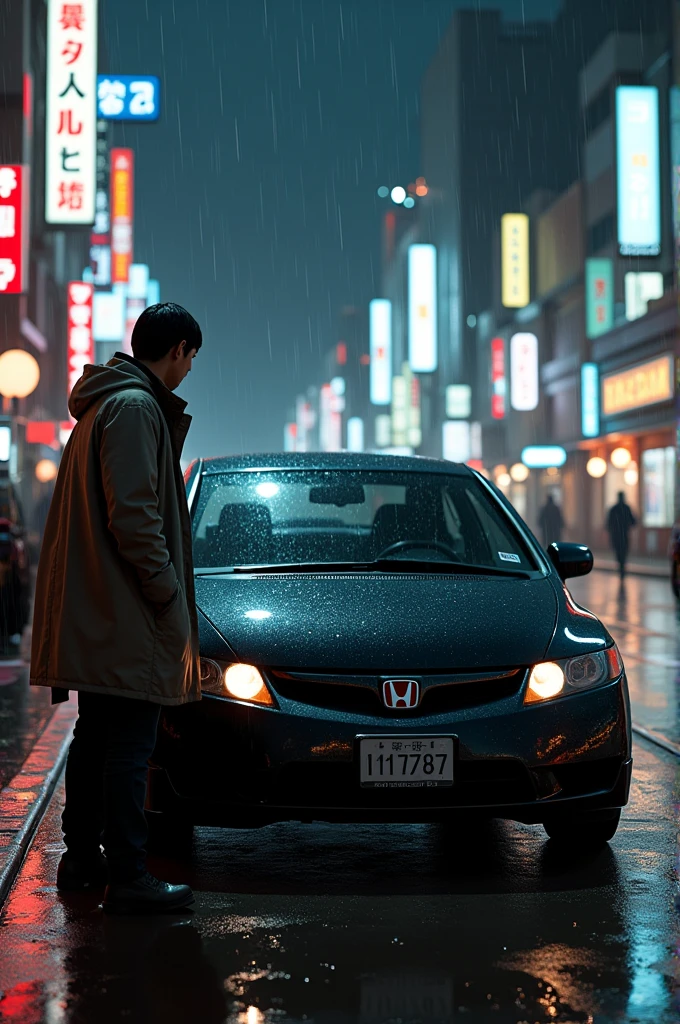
column 486, row 856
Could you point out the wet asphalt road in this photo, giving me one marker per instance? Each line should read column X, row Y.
column 340, row 924
column 644, row 618
column 24, row 713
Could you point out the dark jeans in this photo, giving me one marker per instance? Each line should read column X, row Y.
column 106, row 782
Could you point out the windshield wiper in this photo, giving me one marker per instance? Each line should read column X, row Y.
column 379, row 565
column 448, row 568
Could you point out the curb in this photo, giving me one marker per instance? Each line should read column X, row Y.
column 655, row 737
column 648, row 572
column 24, row 800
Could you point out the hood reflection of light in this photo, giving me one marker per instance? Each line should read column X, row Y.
column 582, row 639
column 258, row 614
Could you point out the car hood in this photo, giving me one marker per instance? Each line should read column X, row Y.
column 378, row 623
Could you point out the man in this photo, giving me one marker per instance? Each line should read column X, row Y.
column 115, row 617
column 551, row 522
column 619, row 523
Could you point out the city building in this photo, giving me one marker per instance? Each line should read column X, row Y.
column 603, row 313
column 35, row 320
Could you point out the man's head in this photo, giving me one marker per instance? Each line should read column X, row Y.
column 166, row 338
column 621, row 496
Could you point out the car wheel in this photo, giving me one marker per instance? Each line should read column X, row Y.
column 583, row 831
column 169, row 833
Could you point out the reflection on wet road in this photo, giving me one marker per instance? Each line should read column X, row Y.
column 643, row 617
column 373, row 925
column 24, row 713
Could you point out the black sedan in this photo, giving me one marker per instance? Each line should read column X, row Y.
column 384, row 640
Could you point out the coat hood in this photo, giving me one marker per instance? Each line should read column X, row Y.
column 100, row 381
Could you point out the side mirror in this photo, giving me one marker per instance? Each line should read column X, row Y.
column 570, row 559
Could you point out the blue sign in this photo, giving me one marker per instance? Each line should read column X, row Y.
column 590, row 400
column 638, row 170
column 128, row 97
column 542, row 456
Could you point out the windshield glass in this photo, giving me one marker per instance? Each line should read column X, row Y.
column 294, row 516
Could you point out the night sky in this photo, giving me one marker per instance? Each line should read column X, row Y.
column 255, row 196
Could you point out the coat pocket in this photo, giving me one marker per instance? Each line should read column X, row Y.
column 172, row 647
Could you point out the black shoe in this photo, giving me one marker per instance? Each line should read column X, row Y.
column 146, row 895
column 74, row 875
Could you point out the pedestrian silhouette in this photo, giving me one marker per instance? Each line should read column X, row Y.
column 619, row 523
column 550, row 521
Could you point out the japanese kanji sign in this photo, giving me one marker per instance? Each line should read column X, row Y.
column 122, row 169
column 100, row 238
column 128, row 97
column 80, row 337
column 599, row 296
column 515, row 260
column 71, row 117
column 638, row 170
column 524, row 372
column 13, row 229
column 498, row 378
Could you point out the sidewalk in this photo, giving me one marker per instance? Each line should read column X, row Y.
column 24, row 799
column 636, row 566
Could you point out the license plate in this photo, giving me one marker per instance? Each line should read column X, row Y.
column 406, row 761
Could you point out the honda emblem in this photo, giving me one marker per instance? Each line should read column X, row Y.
column 401, row 693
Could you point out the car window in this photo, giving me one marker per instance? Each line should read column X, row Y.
column 293, row 516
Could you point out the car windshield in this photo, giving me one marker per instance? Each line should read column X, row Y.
column 322, row 517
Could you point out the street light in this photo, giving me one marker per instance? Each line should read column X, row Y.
column 620, row 458
column 596, row 467
column 519, row 472
column 631, row 475
column 45, row 471
column 398, row 194
column 19, row 373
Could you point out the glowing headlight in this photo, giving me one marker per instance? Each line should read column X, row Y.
column 239, row 681
column 552, row 679
column 546, row 681
column 243, row 682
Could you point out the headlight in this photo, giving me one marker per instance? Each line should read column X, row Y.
column 238, row 681
column 552, row 679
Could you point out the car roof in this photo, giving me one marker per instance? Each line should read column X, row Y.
column 333, row 461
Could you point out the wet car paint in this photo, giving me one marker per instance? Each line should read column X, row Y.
column 366, row 925
column 384, row 623
column 362, row 627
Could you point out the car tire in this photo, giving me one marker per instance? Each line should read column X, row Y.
column 583, row 831
column 169, row 833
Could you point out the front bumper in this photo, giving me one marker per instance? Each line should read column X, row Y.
column 223, row 763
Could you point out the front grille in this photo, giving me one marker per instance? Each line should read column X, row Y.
column 364, row 698
column 492, row 782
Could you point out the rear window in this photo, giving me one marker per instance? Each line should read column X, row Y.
column 297, row 516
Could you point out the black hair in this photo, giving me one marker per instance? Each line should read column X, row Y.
column 162, row 327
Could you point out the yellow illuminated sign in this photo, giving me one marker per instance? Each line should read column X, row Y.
column 641, row 385
column 515, row 260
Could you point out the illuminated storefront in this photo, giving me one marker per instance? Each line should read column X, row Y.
column 635, row 451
